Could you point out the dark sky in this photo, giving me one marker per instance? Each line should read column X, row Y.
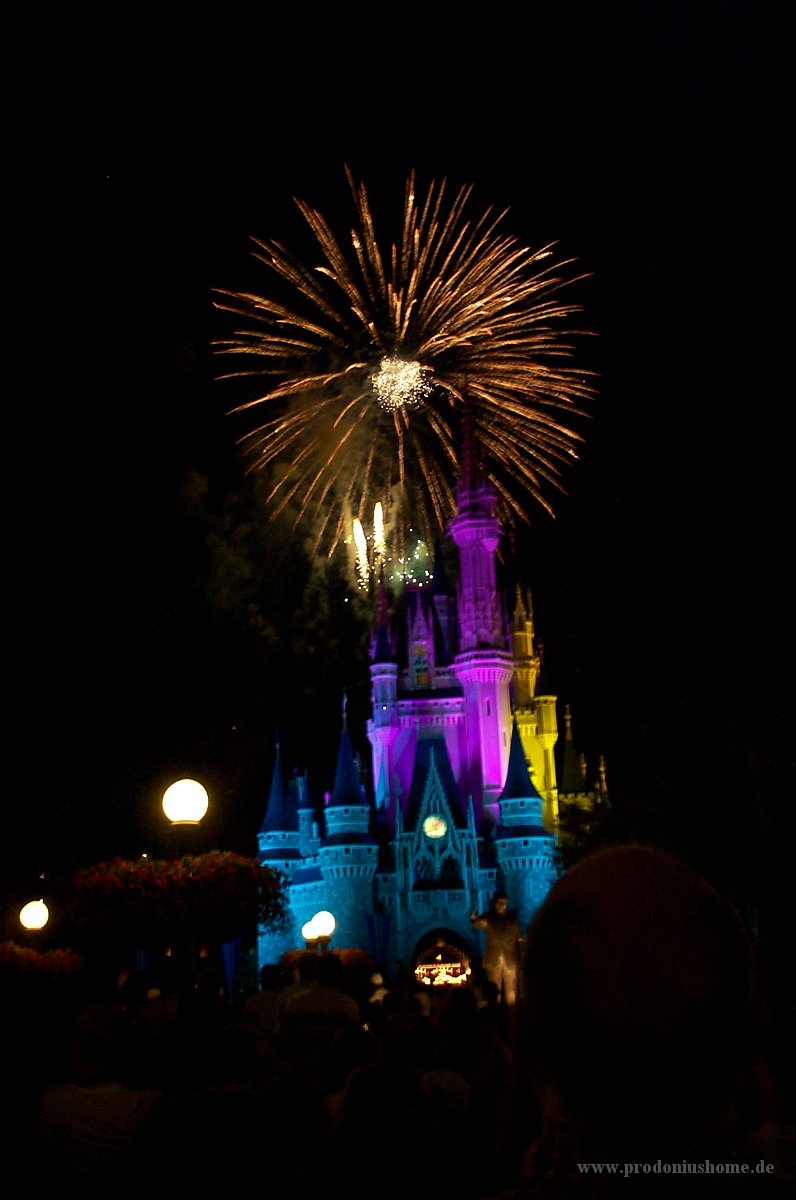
column 146, row 147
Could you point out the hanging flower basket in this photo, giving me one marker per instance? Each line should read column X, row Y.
column 152, row 902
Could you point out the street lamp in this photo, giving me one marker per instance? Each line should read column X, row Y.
column 34, row 915
column 318, row 931
column 185, row 802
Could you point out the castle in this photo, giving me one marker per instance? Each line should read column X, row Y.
column 465, row 795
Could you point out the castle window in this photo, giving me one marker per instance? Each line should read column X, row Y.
column 424, row 869
column 420, row 664
column 450, row 874
column 489, row 708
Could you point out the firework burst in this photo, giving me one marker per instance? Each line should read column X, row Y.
column 361, row 363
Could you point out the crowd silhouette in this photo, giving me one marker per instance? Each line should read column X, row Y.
column 639, row 1040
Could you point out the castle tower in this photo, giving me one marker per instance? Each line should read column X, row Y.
column 278, row 836
column 534, row 706
column 523, row 654
column 279, row 846
column 573, row 774
column 524, row 849
column 348, row 853
column 538, row 728
column 583, row 803
column 483, row 665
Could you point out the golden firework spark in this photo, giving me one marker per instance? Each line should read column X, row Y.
column 379, row 544
column 361, row 551
column 363, row 360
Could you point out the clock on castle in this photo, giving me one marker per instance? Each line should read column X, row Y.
column 464, row 798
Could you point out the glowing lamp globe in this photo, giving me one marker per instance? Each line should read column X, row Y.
column 185, row 802
column 323, row 924
column 34, row 915
column 307, row 931
column 319, row 929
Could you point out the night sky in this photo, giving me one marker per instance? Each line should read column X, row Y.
column 144, row 149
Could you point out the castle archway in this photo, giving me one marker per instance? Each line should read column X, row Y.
column 443, row 957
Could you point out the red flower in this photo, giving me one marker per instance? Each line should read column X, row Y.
column 212, row 897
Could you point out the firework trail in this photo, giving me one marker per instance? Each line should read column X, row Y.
column 360, row 364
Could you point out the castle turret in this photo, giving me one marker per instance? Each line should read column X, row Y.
column 573, row 777
column 279, row 846
column 524, row 849
column 524, row 657
column 541, row 749
column 278, row 836
column 309, row 832
column 348, row 853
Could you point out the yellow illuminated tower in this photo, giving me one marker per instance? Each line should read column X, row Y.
column 534, row 708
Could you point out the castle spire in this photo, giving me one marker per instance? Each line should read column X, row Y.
column 602, row 785
column 382, row 599
column 347, row 788
column 519, row 784
column 382, row 649
column 572, row 782
column 280, row 815
column 543, row 687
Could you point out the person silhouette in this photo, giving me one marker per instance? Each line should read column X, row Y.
column 503, row 941
column 638, row 1029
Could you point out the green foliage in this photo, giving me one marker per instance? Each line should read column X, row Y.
column 586, row 827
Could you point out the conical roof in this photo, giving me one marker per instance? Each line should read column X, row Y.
column 347, row 788
column 572, row 781
column 518, row 785
column 280, row 814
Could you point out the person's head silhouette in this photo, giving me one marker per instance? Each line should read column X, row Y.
column 640, row 997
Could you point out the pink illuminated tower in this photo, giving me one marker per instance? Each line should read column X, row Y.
column 483, row 665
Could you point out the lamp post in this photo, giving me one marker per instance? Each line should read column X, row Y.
column 185, row 803
column 318, row 931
